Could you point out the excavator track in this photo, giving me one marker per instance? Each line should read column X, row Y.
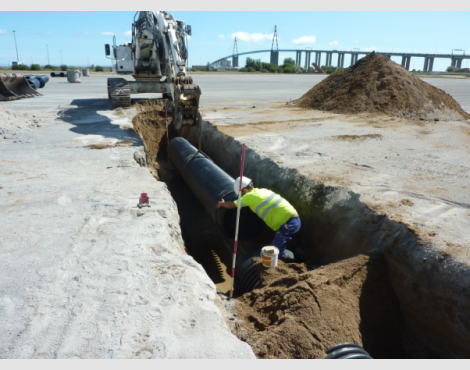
column 119, row 92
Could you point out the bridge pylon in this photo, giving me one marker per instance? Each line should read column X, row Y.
column 274, row 53
column 235, row 54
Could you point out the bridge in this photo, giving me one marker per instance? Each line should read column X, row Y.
column 455, row 59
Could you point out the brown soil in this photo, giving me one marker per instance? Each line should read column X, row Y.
column 407, row 202
column 107, row 145
column 150, row 125
column 237, row 130
column 377, row 84
column 296, row 313
column 358, row 137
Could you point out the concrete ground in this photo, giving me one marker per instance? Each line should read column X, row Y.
column 85, row 272
column 76, row 283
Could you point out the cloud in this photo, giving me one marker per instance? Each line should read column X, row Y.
column 108, row 33
column 372, row 48
column 254, row 38
column 355, row 41
column 222, row 37
column 3, row 32
column 334, row 43
column 304, row 40
column 127, row 33
column 48, row 33
column 82, row 33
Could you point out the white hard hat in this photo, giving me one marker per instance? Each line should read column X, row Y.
column 245, row 182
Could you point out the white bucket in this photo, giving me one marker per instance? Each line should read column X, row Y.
column 73, row 75
column 269, row 256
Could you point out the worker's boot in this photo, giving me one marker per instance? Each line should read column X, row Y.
column 288, row 257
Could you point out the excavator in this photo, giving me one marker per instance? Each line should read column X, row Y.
column 157, row 59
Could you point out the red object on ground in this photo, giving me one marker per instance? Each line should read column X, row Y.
column 143, row 198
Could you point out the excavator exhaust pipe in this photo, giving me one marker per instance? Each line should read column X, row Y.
column 15, row 86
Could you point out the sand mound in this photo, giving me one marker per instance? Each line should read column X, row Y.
column 376, row 84
column 13, row 122
column 298, row 313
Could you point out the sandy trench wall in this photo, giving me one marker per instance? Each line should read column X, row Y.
column 432, row 289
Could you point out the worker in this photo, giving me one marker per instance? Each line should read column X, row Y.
column 274, row 210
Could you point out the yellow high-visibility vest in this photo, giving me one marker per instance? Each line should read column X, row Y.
column 269, row 206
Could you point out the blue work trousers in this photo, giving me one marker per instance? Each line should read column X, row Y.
column 284, row 235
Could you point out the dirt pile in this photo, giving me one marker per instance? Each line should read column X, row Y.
column 13, row 122
column 376, row 84
column 297, row 313
column 150, row 125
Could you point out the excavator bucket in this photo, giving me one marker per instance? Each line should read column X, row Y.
column 15, row 86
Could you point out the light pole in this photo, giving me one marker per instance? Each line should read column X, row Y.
column 61, row 58
column 48, row 62
column 17, row 58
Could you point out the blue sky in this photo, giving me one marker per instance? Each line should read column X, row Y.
column 81, row 35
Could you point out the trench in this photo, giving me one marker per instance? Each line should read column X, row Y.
column 203, row 240
column 395, row 304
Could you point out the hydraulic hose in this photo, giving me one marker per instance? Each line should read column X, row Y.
column 210, row 184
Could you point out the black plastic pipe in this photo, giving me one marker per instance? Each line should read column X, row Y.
column 43, row 79
column 347, row 351
column 37, row 81
column 57, row 74
column 246, row 276
column 210, row 184
column 33, row 82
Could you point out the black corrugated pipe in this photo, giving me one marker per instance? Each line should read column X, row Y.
column 246, row 276
column 210, row 184
column 33, row 82
column 57, row 74
column 347, row 351
column 43, row 79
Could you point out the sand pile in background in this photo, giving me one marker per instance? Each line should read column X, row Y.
column 376, row 84
column 13, row 122
column 297, row 313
